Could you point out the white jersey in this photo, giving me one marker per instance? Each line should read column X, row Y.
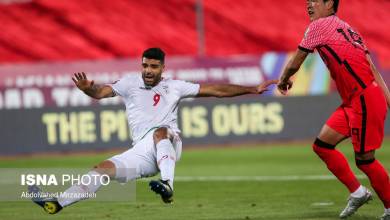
column 150, row 108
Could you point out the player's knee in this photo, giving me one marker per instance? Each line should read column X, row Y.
column 364, row 158
column 360, row 163
column 160, row 134
column 320, row 146
column 105, row 167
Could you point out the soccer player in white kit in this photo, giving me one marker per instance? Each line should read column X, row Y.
column 151, row 107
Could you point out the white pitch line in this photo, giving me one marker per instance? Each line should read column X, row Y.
column 322, row 204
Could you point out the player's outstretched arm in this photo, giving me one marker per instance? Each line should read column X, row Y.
column 90, row 88
column 292, row 67
column 379, row 80
column 229, row 90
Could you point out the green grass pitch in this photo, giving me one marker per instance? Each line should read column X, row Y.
column 248, row 182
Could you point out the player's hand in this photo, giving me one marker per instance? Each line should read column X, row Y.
column 284, row 86
column 264, row 86
column 81, row 81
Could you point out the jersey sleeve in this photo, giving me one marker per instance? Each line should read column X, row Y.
column 187, row 89
column 122, row 86
column 314, row 36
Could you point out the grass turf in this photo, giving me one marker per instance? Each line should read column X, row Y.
column 218, row 199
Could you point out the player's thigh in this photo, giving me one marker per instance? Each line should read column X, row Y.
column 134, row 163
column 336, row 128
column 131, row 166
column 367, row 118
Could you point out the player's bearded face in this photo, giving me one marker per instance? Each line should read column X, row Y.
column 151, row 71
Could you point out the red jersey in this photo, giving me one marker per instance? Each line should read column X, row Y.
column 344, row 53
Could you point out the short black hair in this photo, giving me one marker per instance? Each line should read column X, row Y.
column 154, row 53
column 335, row 5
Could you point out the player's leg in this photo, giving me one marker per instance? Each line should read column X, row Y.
column 166, row 156
column 333, row 132
column 134, row 163
column 76, row 192
column 338, row 165
column 377, row 175
column 368, row 125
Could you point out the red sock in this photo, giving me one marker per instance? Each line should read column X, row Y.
column 378, row 177
column 338, row 165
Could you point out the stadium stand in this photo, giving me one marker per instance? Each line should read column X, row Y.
column 95, row 29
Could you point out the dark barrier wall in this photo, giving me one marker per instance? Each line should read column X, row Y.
column 203, row 121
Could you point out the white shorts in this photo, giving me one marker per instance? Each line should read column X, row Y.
column 140, row 160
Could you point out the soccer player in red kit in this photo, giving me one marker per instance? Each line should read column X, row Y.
column 361, row 115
